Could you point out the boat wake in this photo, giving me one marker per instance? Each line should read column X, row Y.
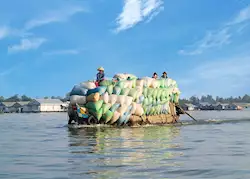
column 213, row 121
column 180, row 123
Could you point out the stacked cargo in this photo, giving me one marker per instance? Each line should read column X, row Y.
column 116, row 101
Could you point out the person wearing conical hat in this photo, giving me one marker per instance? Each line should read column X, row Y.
column 164, row 75
column 100, row 75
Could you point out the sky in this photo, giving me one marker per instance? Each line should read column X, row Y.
column 47, row 47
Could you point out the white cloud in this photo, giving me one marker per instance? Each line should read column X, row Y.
column 64, row 52
column 27, row 44
column 220, row 37
column 6, row 72
column 135, row 11
column 225, row 77
column 231, row 68
column 9, row 71
column 53, row 16
column 4, row 32
column 149, row 6
column 130, row 16
column 243, row 16
column 210, row 40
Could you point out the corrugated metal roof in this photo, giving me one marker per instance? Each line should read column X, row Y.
column 205, row 104
column 8, row 104
column 23, row 102
column 190, row 105
column 49, row 101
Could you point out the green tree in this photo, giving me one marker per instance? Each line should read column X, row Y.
column 194, row 100
column 14, row 98
column 1, row 98
column 246, row 99
column 25, row 98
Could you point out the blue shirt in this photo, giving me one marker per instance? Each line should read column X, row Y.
column 99, row 77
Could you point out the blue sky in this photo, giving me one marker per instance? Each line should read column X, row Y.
column 46, row 47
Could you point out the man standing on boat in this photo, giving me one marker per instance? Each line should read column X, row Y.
column 164, row 75
column 155, row 76
column 100, row 75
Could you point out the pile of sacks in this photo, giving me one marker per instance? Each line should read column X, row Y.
column 114, row 101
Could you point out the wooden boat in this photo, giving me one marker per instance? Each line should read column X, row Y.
column 88, row 119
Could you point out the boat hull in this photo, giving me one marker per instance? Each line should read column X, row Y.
column 134, row 120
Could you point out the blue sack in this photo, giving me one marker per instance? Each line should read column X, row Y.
column 121, row 120
column 100, row 90
column 77, row 90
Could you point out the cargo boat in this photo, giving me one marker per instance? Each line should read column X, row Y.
column 75, row 117
column 125, row 101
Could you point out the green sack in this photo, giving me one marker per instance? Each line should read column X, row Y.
column 115, row 107
column 94, row 105
column 154, row 102
column 133, row 83
column 158, row 97
column 151, row 112
column 159, row 109
column 150, row 100
column 176, row 98
column 150, row 92
column 162, row 83
column 106, row 83
column 120, row 84
column 154, row 111
column 97, row 114
column 117, row 90
column 125, row 91
column 162, row 96
column 133, row 93
column 110, row 89
column 155, row 91
column 145, row 92
column 148, row 110
column 146, row 102
column 108, row 116
column 106, row 107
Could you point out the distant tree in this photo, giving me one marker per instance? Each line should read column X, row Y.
column 183, row 101
column 14, row 98
column 1, row 98
column 246, row 99
column 46, row 97
column 194, row 100
column 56, row 97
column 209, row 99
column 66, row 98
column 25, row 98
column 59, row 97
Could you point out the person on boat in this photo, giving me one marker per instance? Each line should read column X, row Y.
column 100, row 75
column 164, row 75
column 155, row 76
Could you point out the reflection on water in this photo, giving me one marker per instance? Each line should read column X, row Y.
column 41, row 146
column 110, row 150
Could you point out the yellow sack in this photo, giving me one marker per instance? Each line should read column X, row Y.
column 94, row 97
column 83, row 110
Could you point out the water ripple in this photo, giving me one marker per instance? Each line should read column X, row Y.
column 42, row 146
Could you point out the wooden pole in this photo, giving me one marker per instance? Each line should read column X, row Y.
column 187, row 113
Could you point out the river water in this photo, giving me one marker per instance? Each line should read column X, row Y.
column 41, row 146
